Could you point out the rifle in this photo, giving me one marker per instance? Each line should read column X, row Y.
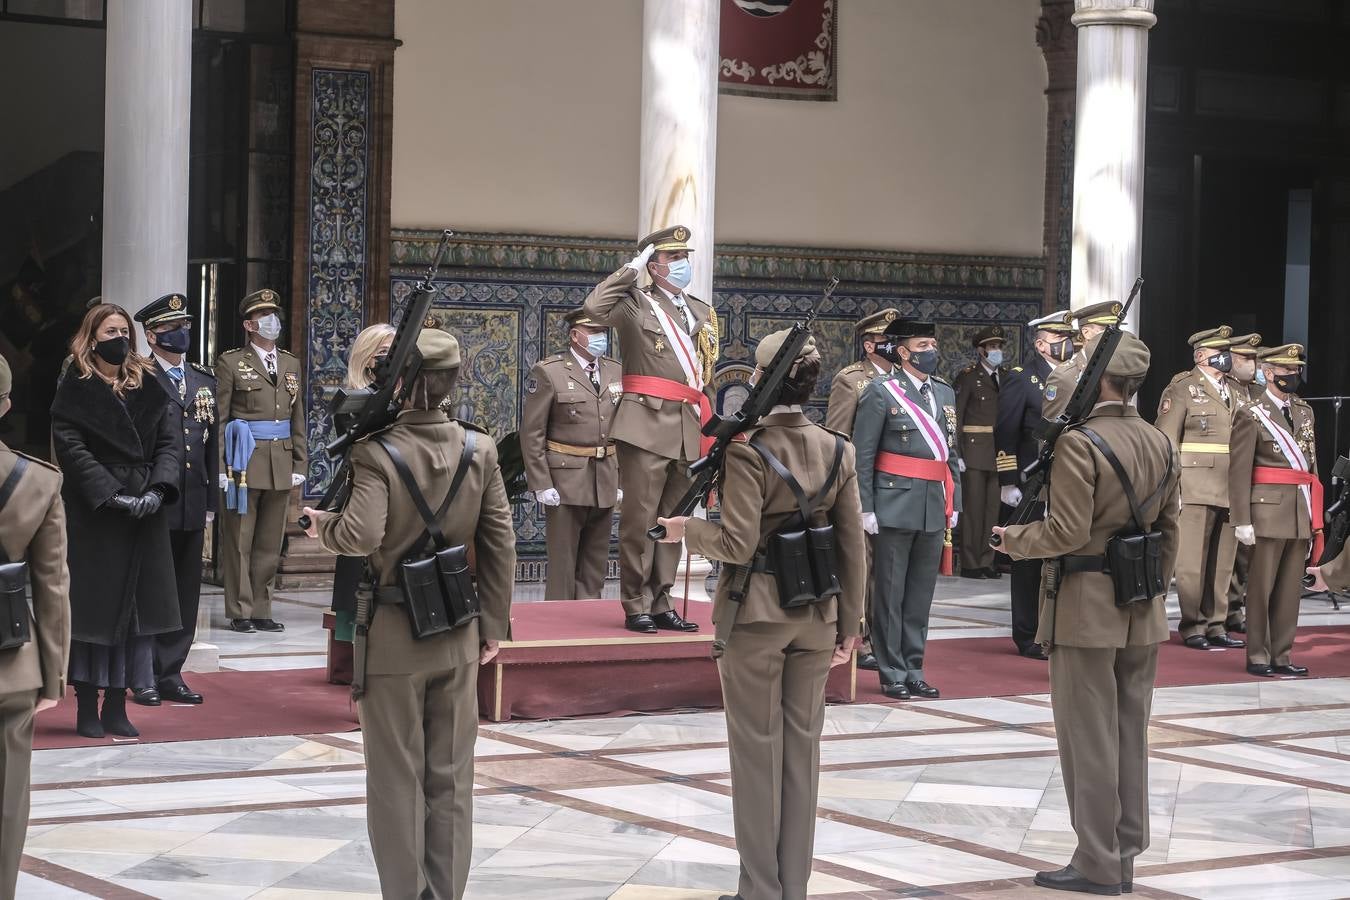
column 1336, row 517
column 722, row 430
column 511, row 461
column 374, row 408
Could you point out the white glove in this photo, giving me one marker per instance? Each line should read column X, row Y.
column 549, row 497
column 618, row 496
column 870, row 523
column 297, row 479
column 210, row 517
column 1010, row 495
column 1245, row 534
column 961, row 465
column 956, row 514
column 639, row 262
column 224, row 480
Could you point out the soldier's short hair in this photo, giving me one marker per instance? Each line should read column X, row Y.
column 432, row 386
column 801, row 384
column 1126, row 385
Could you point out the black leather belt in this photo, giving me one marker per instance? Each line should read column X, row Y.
column 1074, row 565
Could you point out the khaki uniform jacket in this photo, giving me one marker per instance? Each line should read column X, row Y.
column 381, row 522
column 756, row 502
column 33, row 527
column 1274, row 510
column 1088, row 506
column 1193, row 414
column 562, row 405
column 977, row 405
column 244, row 390
column 845, row 390
column 1060, row 383
column 648, row 422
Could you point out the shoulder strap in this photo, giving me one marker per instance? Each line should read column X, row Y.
column 807, row 507
column 7, row 491
column 430, row 519
column 1136, row 510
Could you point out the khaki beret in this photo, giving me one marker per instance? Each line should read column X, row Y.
column 876, row 323
column 578, row 317
column 1130, row 359
column 439, row 349
column 258, row 301
column 6, row 379
column 988, row 334
column 1285, row 355
column 1212, row 338
column 768, row 346
column 1107, row 313
column 676, row 237
column 1245, row 344
column 1060, row 322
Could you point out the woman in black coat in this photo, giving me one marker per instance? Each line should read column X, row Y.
column 114, row 441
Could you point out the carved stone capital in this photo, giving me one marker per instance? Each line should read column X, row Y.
column 1138, row 13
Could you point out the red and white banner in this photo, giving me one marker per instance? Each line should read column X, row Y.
column 779, row 48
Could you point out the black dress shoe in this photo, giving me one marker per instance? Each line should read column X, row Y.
column 992, row 573
column 1223, row 640
column 267, row 625
column 145, row 697
column 641, row 623
column 1291, row 669
column 1070, row 879
column 868, row 661
column 921, row 688
column 972, row 573
column 179, row 693
column 895, row 691
column 1035, row 651
column 1197, row 642
column 670, row 621
column 1262, row 669
column 243, row 626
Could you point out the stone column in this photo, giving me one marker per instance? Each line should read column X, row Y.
column 1108, row 182
column 1058, row 40
column 678, row 155
column 147, row 108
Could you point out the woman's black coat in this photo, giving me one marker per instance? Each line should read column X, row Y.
column 117, row 564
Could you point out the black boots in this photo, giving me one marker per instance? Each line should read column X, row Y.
column 86, row 715
column 113, row 720
column 114, row 715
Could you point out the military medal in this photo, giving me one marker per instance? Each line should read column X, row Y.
column 659, row 345
column 292, row 383
column 204, row 405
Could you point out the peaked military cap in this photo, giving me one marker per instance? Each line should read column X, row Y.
column 876, row 323
column 676, row 237
column 1058, row 322
column 6, row 378
column 910, row 328
column 1107, row 313
column 1245, row 344
column 1130, row 359
column 988, row 334
column 439, row 349
column 768, row 346
column 578, row 317
column 1212, row 338
column 1285, row 355
column 258, row 301
column 166, row 309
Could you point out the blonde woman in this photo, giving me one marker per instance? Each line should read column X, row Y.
column 114, row 441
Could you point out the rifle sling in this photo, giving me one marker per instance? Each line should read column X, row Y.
column 1136, row 510
column 431, row 520
column 7, row 491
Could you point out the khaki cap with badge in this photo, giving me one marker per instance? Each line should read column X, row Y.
column 876, row 323
column 258, row 301
column 1212, row 338
column 676, row 237
column 1106, row 313
column 439, row 349
column 1285, row 355
column 988, row 335
column 578, row 317
column 1245, row 344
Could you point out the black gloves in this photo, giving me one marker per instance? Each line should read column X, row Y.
column 146, row 504
column 150, row 502
column 123, row 503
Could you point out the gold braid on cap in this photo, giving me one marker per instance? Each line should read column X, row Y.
column 709, row 342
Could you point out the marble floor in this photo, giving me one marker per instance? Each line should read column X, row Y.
column 1249, row 797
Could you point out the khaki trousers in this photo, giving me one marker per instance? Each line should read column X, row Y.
column 251, row 552
column 979, row 515
column 651, row 485
column 16, row 753
column 577, row 543
column 1274, row 591
column 773, row 687
column 1237, row 587
column 1204, row 569
column 1101, row 697
column 419, row 733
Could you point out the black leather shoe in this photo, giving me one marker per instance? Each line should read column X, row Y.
column 1291, row 669
column 1223, row 640
column 243, row 626
column 179, row 693
column 921, row 688
column 895, row 691
column 868, row 661
column 973, row 573
column 1262, row 669
column 1035, row 651
column 1070, row 879
column 670, row 621
column 992, row 573
column 145, row 697
column 1197, row 642
column 1236, row 627
column 267, row 625
column 641, row 623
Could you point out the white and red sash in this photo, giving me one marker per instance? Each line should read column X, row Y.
column 683, row 345
column 928, row 426
column 1288, row 447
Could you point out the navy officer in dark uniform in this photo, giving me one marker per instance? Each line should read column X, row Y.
column 168, row 330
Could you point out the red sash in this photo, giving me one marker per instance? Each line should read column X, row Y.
column 665, row 389
column 925, row 470
column 1273, row 475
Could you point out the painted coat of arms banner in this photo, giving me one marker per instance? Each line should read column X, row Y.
column 779, row 48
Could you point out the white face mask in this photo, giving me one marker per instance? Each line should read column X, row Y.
column 269, row 326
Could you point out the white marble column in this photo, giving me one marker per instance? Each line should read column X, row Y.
column 678, row 154
column 145, row 150
column 1108, row 169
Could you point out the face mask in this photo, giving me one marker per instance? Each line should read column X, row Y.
column 113, row 351
column 1288, row 384
column 1221, row 362
column 597, row 344
column 680, row 273
column 176, row 341
column 995, row 358
column 890, row 351
column 1062, row 350
column 925, row 361
column 269, row 326
column 1260, row 376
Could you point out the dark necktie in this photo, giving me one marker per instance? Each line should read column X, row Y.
column 926, row 392
column 594, row 375
column 994, row 375
column 1288, row 417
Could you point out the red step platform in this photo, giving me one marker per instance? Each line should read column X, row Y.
column 575, row 658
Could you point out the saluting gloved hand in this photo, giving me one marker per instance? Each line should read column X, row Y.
column 639, row 262
column 122, row 503
column 1010, row 495
column 869, row 523
column 548, row 497
column 1245, row 534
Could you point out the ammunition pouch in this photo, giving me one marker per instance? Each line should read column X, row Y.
column 15, row 630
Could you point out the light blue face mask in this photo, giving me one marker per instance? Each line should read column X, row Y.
column 1260, row 376
column 597, row 345
column 995, row 358
column 680, row 273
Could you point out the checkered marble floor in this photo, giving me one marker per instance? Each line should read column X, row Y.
column 1249, row 786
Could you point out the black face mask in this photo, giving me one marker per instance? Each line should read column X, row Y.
column 1221, row 361
column 176, row 341
column 1061, row 350
column 113, row 351
column 889, row 350
column 925, row 361
column 1288, row 384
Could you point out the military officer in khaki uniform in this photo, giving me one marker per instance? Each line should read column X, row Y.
column 977, row 388
column 1103, row 658
column 1092, row 321
column 32, row 675
column 1276, row 508
column 1196, row 411
column 260, row 402
column 776, row 660
column 570, row 464
column 669, row 344
column 1245, row 349
column 418, row 713
column 850, row 381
